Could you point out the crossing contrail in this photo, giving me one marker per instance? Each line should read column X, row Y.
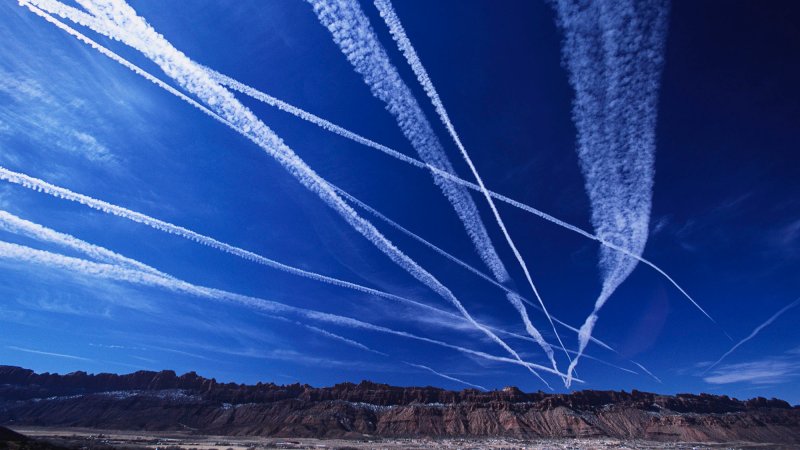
column 124, row 24
column 613, row 51
column 341, row 131
column 39, row 185
column 89, row 21
column 404, row 43
column 118, row 273
column 17, row 225
column 437, row 171
column 754, row 333
column 454, row 259
column 448, row 377
column 352, row 32
column 84, row 19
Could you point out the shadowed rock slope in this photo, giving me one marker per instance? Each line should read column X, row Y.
column 165, row 401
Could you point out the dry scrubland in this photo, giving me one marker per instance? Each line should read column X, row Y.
column 99, row 440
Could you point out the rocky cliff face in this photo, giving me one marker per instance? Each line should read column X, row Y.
column 166, row 401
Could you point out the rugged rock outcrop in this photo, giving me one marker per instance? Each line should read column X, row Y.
column 166, row 401
column 10, row 440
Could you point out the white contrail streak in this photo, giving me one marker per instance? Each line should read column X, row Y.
column 41, row 186
column 608, row 363
column 515, row 299
column 353, row 34
column 343, row 132
column 91, row 22
column 754, row 333
column 448, row 377
column 404, row 44
column 118, row 273
column 119, row 211
column 351, row 31
column 18, row 225
column 100, row 205
column 14, row 224
column 327, row 334
column 613, row 50
column 60, row 192
column 124, row 24
column 645, row 371
column 39, row 352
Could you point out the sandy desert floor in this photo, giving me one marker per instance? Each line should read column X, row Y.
column 104, row 439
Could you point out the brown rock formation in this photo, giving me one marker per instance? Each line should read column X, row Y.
column 166, row 401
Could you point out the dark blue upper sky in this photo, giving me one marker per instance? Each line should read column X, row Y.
column 725, row 221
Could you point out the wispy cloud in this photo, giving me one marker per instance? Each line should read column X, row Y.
column 757, row 330
column 39, row 352
column 32, row 111
column 765, row 371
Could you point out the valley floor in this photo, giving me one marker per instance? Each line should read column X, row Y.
column 91, row 439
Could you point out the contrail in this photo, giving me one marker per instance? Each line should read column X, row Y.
column 515, row 299
column 39, row 352
column 754, row 333
column 613, row 51
column 448, row 377
column 91, row 22
column 17, row 225
column 118, row 273
column 160, row 225
column 353, row 34
column 127, row 26
column 87, row 20
column 341, row 131
column 454, row 259
column 119, row 211
column 327, row 334
column 646, row 371
column 404, row 44
column 14, row 224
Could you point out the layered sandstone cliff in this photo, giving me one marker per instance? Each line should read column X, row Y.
column 166, row 401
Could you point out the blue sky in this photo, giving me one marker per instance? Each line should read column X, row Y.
column 725, row 220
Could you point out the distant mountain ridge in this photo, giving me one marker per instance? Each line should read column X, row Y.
column 165, row 401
